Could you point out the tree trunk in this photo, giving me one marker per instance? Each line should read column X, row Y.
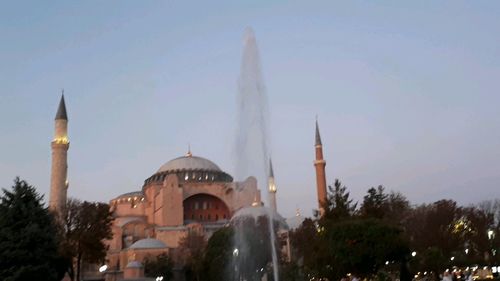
column 78, row 265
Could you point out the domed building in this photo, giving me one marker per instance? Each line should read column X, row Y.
column 186, row 193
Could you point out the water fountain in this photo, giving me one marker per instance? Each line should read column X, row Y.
column 252, row 145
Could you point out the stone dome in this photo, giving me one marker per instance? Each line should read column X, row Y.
column 189, row 163
column 190, row 168
column 255, row 212
column 148, row 243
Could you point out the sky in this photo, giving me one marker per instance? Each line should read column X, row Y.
column 406, row 93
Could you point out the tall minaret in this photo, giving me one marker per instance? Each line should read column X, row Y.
column 272, row 188
column 320, row 164
column 60, row 145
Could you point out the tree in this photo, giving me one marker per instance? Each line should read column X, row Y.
column 254, row 246
column 374, row 203
column 218, row 256
column 28, row 245
column 348, row 242
column 192, row 248
column 85, row 226
column 436, row 233
column 397, row 208
column 339, row 205
column 162, row 265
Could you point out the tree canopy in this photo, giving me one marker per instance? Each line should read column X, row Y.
column 28, row 245
column 85, row 226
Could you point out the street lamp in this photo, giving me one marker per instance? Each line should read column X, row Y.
column 413, row 253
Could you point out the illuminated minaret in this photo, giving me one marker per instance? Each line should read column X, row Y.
column 272, row 188
column 60, row 146
column 320, row 164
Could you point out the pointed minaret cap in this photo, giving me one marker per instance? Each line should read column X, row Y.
column 271, row 172
column 61, row 110
column 318, row 137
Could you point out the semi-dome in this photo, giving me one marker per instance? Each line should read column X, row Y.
column 148, row 243
column 189, row 163
column 255, row 212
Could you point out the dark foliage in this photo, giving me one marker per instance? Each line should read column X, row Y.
column 28, row 246
column 85, row 226
column 162, row 265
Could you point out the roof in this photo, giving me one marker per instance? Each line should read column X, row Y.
column 189, row 162
column 148, row 243
column 131, row 194
column 256, row 212
column 61, row 110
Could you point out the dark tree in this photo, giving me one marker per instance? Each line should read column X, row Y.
column 309, row 249
column 85, row 227
column 192, row 248
column 218, row 256
column 348, row 242
column 28, row 246
column 339, row 205
column 374, row 203
column 397, row 208
column 254, row 246
column 162, row 265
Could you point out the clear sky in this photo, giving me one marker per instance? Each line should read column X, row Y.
column 407, row 93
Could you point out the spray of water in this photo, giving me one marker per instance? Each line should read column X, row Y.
column 252, row 137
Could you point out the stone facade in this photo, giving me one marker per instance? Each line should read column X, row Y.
column 186, row 193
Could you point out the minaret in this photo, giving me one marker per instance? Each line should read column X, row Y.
column 60, row 145
column 320, row 164
column 272, row 187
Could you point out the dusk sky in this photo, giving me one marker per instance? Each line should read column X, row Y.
column 407, row 93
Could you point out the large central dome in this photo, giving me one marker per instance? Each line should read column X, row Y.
column 189, row 163
column 191, row 169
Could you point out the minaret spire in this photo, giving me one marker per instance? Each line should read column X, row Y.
column 59, row 170
column 318, row 136
column 272, row 187
column 320, row 164
column 61, row 110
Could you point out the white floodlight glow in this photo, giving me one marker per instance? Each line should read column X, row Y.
column 413, row 253
column 103, row 268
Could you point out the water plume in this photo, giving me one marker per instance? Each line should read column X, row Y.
column 252, row 136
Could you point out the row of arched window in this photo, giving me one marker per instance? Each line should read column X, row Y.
column 193, row 176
